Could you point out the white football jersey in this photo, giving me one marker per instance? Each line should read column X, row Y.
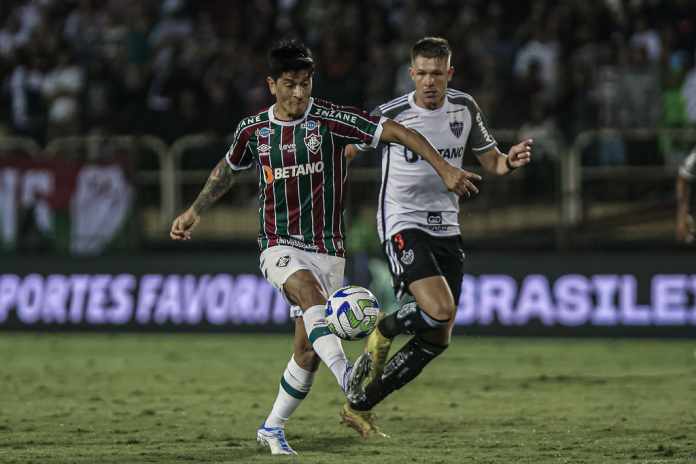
column 412, row 194
column 688, row 168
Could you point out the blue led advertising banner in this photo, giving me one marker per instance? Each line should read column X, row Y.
column 533, row 294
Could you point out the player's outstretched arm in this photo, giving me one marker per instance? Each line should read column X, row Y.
column 498, row 163
column 685, row 226
column 218, row 183
column 455, row 179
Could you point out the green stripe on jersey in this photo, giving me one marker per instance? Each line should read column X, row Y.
column 327, row 156
column 305, row 183
column 281, row 205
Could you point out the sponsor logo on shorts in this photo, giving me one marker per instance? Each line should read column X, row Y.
column 439, row 228
column 434, row 218
column 407, row 257
column 399, row 241
column 283, row 261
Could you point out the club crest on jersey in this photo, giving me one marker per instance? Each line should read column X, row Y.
column 407, row 257
column 313, row 142
column 264, row 132
column 457, row 127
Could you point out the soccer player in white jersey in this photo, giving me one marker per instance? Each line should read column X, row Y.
column 418, row 223
column 685, row 222
column 297, row 147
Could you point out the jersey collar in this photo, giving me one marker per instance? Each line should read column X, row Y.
column 294, row 122
column 425, row 111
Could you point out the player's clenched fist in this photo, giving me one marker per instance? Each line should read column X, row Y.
column 184, row 224
column 461, row 182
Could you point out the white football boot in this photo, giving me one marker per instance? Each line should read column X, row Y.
column 274, row 438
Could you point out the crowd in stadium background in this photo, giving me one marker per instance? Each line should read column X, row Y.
column 171, row 67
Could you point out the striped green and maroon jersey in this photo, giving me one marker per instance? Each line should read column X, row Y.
column 301, row 171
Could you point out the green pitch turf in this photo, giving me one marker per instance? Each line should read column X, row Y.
column 191, row 398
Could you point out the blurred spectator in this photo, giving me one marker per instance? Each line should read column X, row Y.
column 689, row 92
column 25, row 96
column 673, row 110
column 61, row 89
column 166, row 66
column 541, row 127
column 648, row 39
column 685, row 222
column 542, row 53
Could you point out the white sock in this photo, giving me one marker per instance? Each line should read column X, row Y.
column 294, row 386
column 325, row 344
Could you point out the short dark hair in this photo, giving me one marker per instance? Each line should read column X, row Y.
column 289, row 56
column 431, row 47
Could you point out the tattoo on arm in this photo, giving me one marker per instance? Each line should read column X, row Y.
column 219, row 182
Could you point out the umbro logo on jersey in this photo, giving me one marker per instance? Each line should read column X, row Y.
column 263, row 148
column 270, row 175
column 313, row 142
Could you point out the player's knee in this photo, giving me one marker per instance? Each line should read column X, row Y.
column 441, row 311
column 310, row 295
column 304, row 290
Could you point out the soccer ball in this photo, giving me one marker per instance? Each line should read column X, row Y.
column 351, row 312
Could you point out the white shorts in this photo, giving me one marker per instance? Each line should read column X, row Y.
column 278, row 263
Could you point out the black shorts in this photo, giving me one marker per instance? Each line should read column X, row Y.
column 414, row 255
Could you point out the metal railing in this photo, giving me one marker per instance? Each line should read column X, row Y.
column 559, row 213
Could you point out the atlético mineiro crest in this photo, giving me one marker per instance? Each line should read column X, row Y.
column 313, row 142
column 457, row 127
column 407, row 257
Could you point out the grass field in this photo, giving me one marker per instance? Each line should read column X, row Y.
column 191, row 398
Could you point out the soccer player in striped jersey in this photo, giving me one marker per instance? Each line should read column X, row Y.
column 418, row 223
column 297, row 147
column 685, row 222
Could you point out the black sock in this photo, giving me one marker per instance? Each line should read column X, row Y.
column 410, row 319
column 403, row 367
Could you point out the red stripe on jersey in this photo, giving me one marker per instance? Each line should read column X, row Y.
column 239, row 144
column 338, row 199
column 268, row 193
column 318, row 201
column 292, row 184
